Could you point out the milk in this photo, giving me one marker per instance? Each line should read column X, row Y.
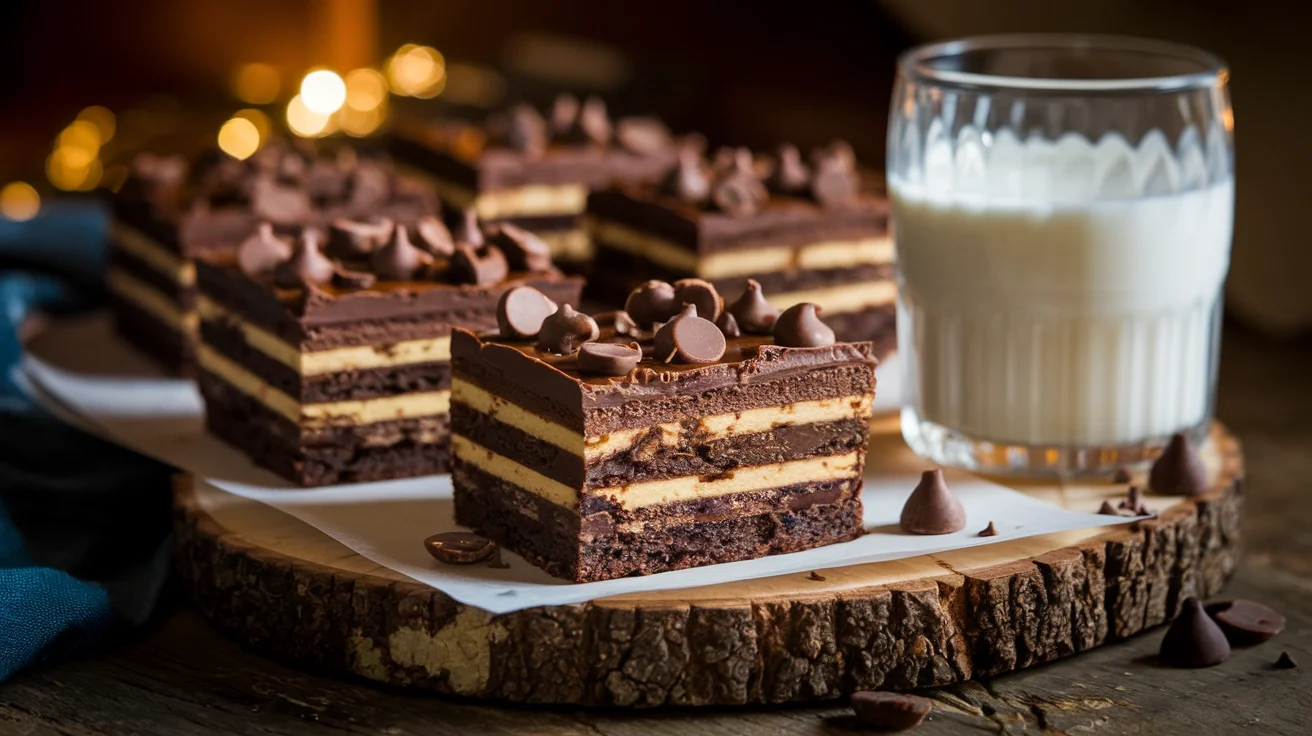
column 1074, row 304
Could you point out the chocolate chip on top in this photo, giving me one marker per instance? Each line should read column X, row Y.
column 701, row 294
column 590, row 124
column 524, row 250
column 526, row 131
column 932, row 508
column 348, row 280
column 728, row 325
column 608, row 359
column 687, row 181
column 261, row 253
column 643, row 136
column 800, row 327
column 755, row 315
column 307, row 266
column 790, row 175
column 468, row 231
column 481, row 266
column 278, row 202
column 834, row 182
column 565, row 330
column 398, row 259
column 349, row 238
column 564, row 110
column 689, row 339
column 1179, row 471
column 434, row 237
column 652, row 302
column 739, row 190
column 521, row 312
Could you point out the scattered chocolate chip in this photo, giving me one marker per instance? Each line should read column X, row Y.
column 689, row 339
column 261, row 253
column 398, row 259
column 565, row 330
column 890, row 711
column 459, row 548
column 370, row 186
column 521, row 311
column 790, row 175
column 564, row 111
column 468, row 231
column 932, row 508
column 608, row 359
column 1246, row 622
column 1108, row 509
column 650, row 303
column 816, row 576
column 1194, row 639
column 687, row 181
column 1122, row 475
column 279, row 203
column 1133, row 499
column 526, row 131
column 728, row 325
column 348, row 280
column 524, row 250
column 755, row 315
column 624, row 324
column 479, row 266
column 739, row 190
column 1285, row 662
column 701, row 294
column 834, row 182
column 307, row 266
column 989, row 531
column 1179, row 471
column 434, row 237
column 348, row 238
column 800, row 327
column 643, row 136
column 590, row 126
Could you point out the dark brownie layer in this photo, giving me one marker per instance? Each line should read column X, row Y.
column 370, row 383
column 157, row 340
column 327, row 455
column 551, row 537
column 183, row 294
column 648, row 459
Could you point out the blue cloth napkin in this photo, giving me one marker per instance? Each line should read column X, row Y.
column 84, row 547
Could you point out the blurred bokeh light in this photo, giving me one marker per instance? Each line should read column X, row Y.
column 239, row 138
column 417, row 71
column 323, row 92
column 256, row 84
column 19, row 201
column 305, row 122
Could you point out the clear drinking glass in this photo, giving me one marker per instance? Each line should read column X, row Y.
column 1062, row 208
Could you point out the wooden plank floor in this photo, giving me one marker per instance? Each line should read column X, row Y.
column 181, row 678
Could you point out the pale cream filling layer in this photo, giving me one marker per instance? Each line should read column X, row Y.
column 839, row 299
column 709, row 428
column 364, row 411
column 156, row 303
column 641, row 495
column 526, row 201
column 150, row 251
column 876, row 250
column 319, row 362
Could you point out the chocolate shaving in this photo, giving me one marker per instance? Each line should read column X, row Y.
column 739, row 192
column 521, row 312
column 608, row 359
column 524, row 250
column 261, row 253
column 755, row 315
column 479, row 266
column 689, row 339
column 565, row 330
column 307, row 266
column 399, row 259
column 932, row 508
column 1194, row 639
column 800, row 327
column 1179, row 471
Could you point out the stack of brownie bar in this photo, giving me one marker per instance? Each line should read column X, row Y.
column 679, row 432
column 327, row 358
column 168, row 213
column 807, row 232
column 535, row 172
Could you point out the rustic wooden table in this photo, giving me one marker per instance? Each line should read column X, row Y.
column 182, row 678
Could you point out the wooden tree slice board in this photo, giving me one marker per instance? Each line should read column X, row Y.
column 288, row 590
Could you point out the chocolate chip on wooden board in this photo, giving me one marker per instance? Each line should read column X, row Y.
column 459, row 548
column 890, row 711
column 1178, row 471
column 1194, row 639
column 1246, row 622
column 1285, row 662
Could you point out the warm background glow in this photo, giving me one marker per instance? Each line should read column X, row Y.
column 323, row 92
column 19, row 201
column 305, row 122
column 239, row 138
column 417, row 71
column 257, row 84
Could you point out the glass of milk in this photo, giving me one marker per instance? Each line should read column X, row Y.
column 1062, row 208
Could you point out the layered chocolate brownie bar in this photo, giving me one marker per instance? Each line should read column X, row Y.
column 533, row 172
column 807, row 233
column 656, row 438
column 169, row 212
column 330, row 362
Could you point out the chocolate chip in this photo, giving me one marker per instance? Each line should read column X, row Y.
column 524, row 250
column 434, row 237
column 459, row 548
column 349, row 239
column 790, row 175
column 399, row 259
column 564, row 111
column 1285, row 662
column 816, row 576
column 800, row 327
column 728, row 325
column 1107, row 509
column 890, row 711
column 608, row 359
column 1133, row 499
column 687, row 181
column 526, row 131
column 1246, row 622
column 1179, row 471
column 755, row 315
column 834, row 182
column 739, row 191
column 279, row 203
column 689, row 339
column 348, row 280
column 590, row 126
column 932, row 508
column 989, row 531
column 565, row 330
column 261, row 253
column 701, row 294
column 1122, row 475
column 468, row 231
column 643, row 136
column 307, row 266
column 479, row 266
column 650, row 303
column 620, row 321
column 521, row 311
column 1194, row 639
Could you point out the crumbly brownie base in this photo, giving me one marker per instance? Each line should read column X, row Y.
column 167, row 347
column 326, row 456
column 553, row 539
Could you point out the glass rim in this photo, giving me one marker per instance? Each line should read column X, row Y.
column 914, row 63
